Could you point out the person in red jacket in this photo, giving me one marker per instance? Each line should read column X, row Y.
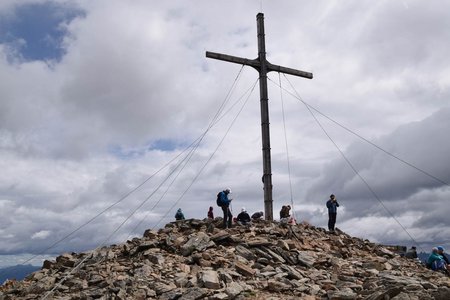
column 210, row 213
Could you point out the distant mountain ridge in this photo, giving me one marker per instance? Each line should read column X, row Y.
column 17, row 272
column 423, row 256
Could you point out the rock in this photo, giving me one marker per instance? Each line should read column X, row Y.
column 197, row 242
column 162, row 288
column 150, row 234
column 244, row 269
column 274, row 255
column 374, row 265
column 276, row 286
column 429, row 286
column 292, row 273
column 144, row 271
column 305, row 259
column 184, row 260
column 258, row 242
column 385, row 294
column 219, row 296
column 402, row 296
column 233, row 289
column 48, row 264
column 343, row 294
column 443, row 293
column 194, row 293
column 385, row 252
column 244, row 252
column 210, row 279
column 220, row 236
column 145, row 246
column 66, row 260
column 157, row 259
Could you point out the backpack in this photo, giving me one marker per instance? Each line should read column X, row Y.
column 179, row 215
column 219, row 200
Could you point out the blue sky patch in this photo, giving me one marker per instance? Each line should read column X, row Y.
column 125, row 154
column 132, row 153
column 164, row 145
column 34, row 31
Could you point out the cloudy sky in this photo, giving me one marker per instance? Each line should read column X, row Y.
column 97, row 96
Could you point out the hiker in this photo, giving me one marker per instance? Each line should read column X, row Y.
column 179, row 215
column 243, row 218
column 224, row 202
column 441, row 251
column 436, row 262
column 411, row 253
column 332, row 206
column 210, row 213
column 257, row 215
column 285, row 211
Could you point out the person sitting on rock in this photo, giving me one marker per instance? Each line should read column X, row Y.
column 179, row 215
column 436, row 262
column 285, row 213
column 210, row 213
column 257, row 215
column 243, row 218
column 441, row 251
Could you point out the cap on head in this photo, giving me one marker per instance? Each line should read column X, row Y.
column 440, row 248
column 332, row 196
column 434, row 250
column 227, row 191
column 243, row 209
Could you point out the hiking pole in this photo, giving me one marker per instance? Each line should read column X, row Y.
column 231, row 205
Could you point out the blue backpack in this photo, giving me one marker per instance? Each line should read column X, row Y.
column 219, row 200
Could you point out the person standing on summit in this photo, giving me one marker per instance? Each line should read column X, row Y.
column 332, row 206
column 224, row 203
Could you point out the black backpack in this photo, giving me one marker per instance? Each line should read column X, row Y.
column 219, row 200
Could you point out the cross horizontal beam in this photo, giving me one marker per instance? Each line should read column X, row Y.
column 255, row 63
column 234, row 59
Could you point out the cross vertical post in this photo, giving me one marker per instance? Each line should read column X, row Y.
column 265, row 132
column 263, row 67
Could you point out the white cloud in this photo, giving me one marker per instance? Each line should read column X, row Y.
column 43, row 234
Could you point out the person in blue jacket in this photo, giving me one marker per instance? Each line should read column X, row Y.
column 225, row 204
column 332, row 206
column 441, row 251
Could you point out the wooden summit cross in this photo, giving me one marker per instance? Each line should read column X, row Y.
column 263, row 67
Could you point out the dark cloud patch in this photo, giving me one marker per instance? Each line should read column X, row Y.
column 400, row 189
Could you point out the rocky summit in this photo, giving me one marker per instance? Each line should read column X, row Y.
column 194, row 259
